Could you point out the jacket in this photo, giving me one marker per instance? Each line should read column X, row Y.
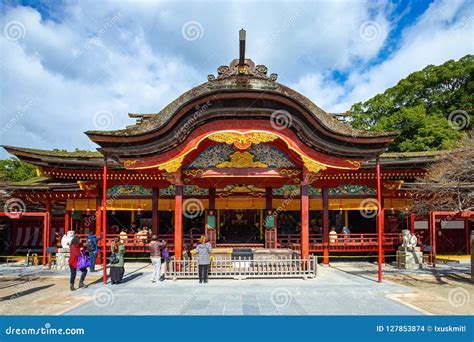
column 95, row 241
column 74, row 253
column 204, row 250
column 120, row 255
column 155, row 248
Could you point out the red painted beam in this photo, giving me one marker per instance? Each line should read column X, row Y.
column 178, row 222
column 325, row 195
column 379, row 219
column 304, row 222
column 104, row 222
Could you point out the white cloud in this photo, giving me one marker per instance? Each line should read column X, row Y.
column 131, row 57
column 443, row 32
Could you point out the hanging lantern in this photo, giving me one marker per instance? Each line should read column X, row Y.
column 393, row 210
column 88, row 210
column 72, row 211
column 340, row 211
column 113, row 211
column 139, row 211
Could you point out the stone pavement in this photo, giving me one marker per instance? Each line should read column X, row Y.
column 332, row 292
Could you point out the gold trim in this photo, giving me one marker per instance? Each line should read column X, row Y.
column 172, row 166
column 130, row 163
column 250, row 131
column 242, row 141
column 241, row 160
column 313, row 166
column 356, row 163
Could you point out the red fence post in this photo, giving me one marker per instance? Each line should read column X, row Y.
column 379, row 222
column 104, row 222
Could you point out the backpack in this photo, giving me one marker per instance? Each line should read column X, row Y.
column 90, row 245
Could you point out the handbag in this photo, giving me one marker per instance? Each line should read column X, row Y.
column 83, row 261
column 112, row 259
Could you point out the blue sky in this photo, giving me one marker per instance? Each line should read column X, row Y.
column 68, row 67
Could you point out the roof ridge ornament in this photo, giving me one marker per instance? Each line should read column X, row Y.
column 242, row 66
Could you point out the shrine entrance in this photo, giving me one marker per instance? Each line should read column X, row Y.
column 240, row 226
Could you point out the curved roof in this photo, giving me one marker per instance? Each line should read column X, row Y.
column 240, row 94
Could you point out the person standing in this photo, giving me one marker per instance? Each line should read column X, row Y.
column 92, row 245
column 203, row 250
column 75, row 251
column 156, row 248
column 117, row 269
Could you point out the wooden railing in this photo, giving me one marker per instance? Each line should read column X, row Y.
column 139, row 243
column 245, row 268
column 342, row 242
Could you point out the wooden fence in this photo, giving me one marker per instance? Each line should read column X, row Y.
column 244, row 268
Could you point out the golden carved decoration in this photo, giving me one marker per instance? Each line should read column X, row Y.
column 242, row 141
column 290, row 172
column 172, row 166
column 312, row 165
column 193, row 172
column 241, row 160
column 129, row 163
column 354, row 162
column 87, row 186
column 395, row 185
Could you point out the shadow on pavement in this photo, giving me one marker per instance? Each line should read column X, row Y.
column 25, row 293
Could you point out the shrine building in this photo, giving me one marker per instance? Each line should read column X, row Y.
column 240, row 158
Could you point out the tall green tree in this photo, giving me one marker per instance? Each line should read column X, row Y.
column 14, row 170
column 430, row 108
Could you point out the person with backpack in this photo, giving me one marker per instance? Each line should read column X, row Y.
column 92, row 245
column 156, row 249
column 117, row 268
column 77, row 260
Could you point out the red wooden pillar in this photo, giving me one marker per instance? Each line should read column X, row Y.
column 412, row 223
column 304, row 222
column 154, row 211
column 325, row 194
column 211, row 232
column 432, row 228
column 379, row 220
column 45, row 236
column 104, row 222
column 268, row 198
column 67, row 221
column 98, row 216
column 14, row 237
column 47, row 232
column 466, row 227
column 178, row 222
column 212, row 198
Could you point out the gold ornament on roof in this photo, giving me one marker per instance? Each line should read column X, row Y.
column 241, row 160
column 242, row 141
column 129, row 163
column 393, row 185
column 313, row 166
column 356, row 163
column 172, row 166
